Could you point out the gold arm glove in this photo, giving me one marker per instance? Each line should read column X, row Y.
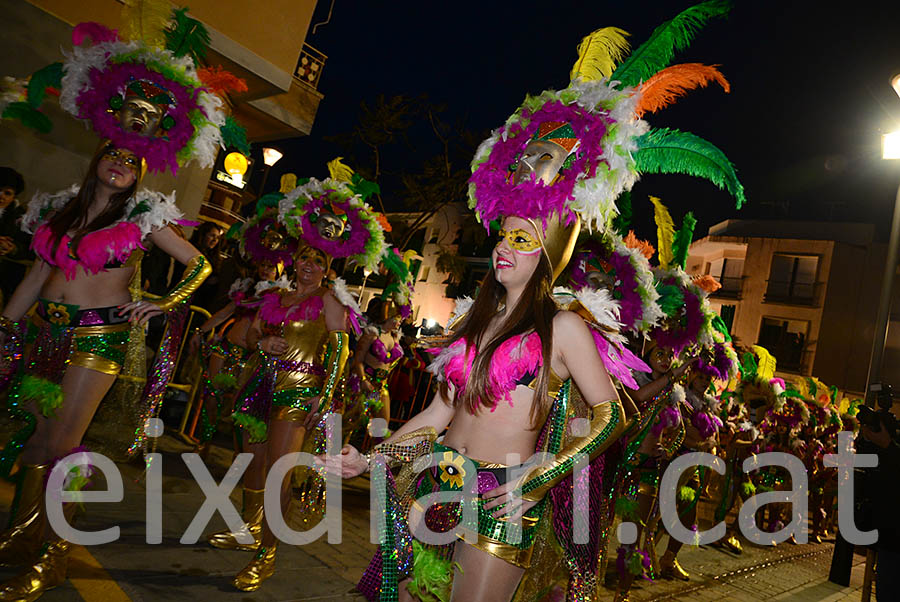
column 196, row 271
column 336, row 352
column 607, row 425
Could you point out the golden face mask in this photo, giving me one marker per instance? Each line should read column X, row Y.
column 123, row 157
column 140, row 116
column 521, row 241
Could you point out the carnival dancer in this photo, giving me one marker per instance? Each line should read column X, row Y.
column 85, row 239
column 302, row 341
column 652, row 441
column 556, row 164
column 148, row 104
column 266, row 245
column 378, row 351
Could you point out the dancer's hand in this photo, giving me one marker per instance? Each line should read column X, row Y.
column 314, row 414
column 349, row 463
column 273, row 345
column 140, row 311
column 680, row 370
column 7, row 245
column 508, row 501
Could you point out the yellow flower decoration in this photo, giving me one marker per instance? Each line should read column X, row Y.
column 59, row 314
column 452, row 470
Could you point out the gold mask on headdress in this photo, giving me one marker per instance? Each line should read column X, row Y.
column 140, row 116
column 329, row 225
column 542, row 160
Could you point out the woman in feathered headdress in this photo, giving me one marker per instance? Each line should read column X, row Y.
column 267, row 249
column 520, row 360
column 303, row 343
column 147, row 102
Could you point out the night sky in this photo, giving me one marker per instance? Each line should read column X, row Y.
column 810, row 92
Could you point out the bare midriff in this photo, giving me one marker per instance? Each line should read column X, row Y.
column 87, row 290
column 237, row 334
column 492, row 436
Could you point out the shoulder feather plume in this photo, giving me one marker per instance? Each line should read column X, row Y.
column 673, row 82
column 665, row 232
column 598, row 54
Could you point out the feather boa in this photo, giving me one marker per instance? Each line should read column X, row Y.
column 273, row 312
column 239, row 288
column 669, row 417
column 283, row 282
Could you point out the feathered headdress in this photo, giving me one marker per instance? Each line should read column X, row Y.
column 596, row 120
column 332, row 215
column 142, row 89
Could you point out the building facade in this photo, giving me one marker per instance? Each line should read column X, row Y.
column 807, row 291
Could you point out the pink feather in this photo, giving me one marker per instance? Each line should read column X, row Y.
column 96, row 32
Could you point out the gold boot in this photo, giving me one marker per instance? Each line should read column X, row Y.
column 260, row 568
column 20, row 543
column 252, row 515
column 670, row 568
column 48, row 572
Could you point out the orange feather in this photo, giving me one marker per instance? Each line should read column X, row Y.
column 668, row 85
column 218, row 80
column 632, row 242
column 707, row 283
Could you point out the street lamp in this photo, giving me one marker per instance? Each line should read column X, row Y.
column 890, row 149
column 270, row 158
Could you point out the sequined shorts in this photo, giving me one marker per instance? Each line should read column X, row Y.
column 496, row 536
column 293, row 404
column 99, row 337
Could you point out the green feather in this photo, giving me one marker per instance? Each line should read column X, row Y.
column 48, row 395
column 257, row 430
column 670, row 151
column 235, row 136
column 627, row 508
column 432, row 575
column 674, row 35
column 48, row 77
column 234, row 230
column 719, row 324
column 188, row 36
column 749, row 366
column 268, row 200
column 223, row 382
column 671, row 299
column 363, row 187
column 686, row 495
column 622, row 222
column 683, row 239
column 395, row 265
column 748, row 490
column 28, row 116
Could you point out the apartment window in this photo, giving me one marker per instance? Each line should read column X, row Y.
column 435, row 235
column 792, row 278
column 786, row 340
column 727, row 312
column 426, row 271
column 729, row 272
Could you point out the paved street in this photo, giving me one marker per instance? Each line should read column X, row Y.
column 130, row 569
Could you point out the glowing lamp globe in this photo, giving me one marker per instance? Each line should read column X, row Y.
column 235, row 164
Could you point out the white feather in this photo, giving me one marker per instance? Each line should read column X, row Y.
column 440, row 362
column 462, row 307
column 163, row 210
column 604, row 309
column 241, row 285
column 678, row 394
column 283, row 283
column 343, row 295
column 45, row 200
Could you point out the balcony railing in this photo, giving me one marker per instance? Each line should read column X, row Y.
column 310, row 66
column 792, row 293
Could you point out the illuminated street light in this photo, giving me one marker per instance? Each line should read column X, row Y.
column 271, row 156
column 890, row 146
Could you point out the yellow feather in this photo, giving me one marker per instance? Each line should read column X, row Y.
column 665, row 232
column 766, row 363
column 598, row 54
column 288, row 183
column 339, row 171
column 146, row 20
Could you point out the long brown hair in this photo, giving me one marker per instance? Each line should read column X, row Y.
column 534, row 311
column 74, row 213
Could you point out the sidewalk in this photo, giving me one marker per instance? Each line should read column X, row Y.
column 131, row 569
